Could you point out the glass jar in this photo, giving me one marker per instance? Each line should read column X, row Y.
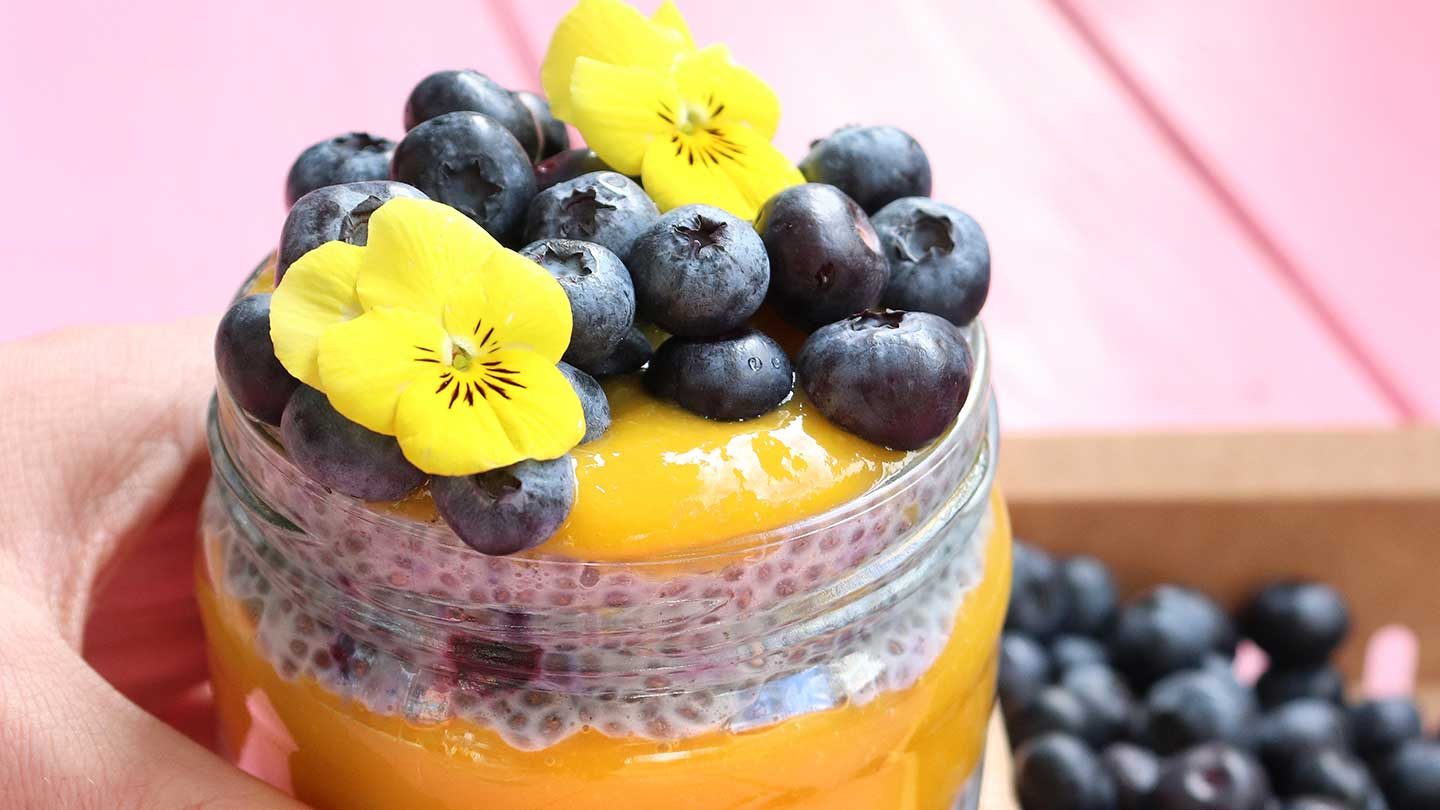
column 362, row 659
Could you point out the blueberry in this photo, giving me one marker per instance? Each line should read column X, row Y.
column 245, row 359
column 825, row 259
column 342, row 455
column 1212, row 777
column 1297, row 729
column 733, row 377
column 874, row 165
column 473, row 164
column 347, row 158
column 630, row 355
column 699, row 271
column 334, row 213
column 1092, row 599
column 554, row 138
column 1168, row 629
column 939, row 259
column 1039, row 601
column 1297, row 623
column 1136, row 772
column 895, row 378
column 1055, row 708
column 1378, row 727
column 1281, row 684
column 592, row 400
column 1059, row 772
column 1192, row 707
column 1411, row 776
column 1330, row 772
column 507, row 510
column 449, row 91
column 1105, row 696
column 1024, row 671
column 567, row 165
column 606, row 208
column 602, row 299
column 1069, row 652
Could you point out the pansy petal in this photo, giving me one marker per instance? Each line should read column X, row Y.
column 758, row 171
column 530, row 309
column 669, row 16
column 606, row 31
column 413, row 248
column 317, row 293
column 445, row 426
column 535, row 402
column 367, row 364
column 675, row 175
column 620, row 110
column 729, row 93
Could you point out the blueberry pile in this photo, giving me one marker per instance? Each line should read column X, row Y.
column 1136, row 706
column 875, row 273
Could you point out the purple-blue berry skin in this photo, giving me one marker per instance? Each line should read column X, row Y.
column 334, row 213
column 348, row 158
column 1297, row 729
column 448, row 91
column 554, row 138
column 1212, row 777
column 245, row 359
column 728, row 378
column 1166, row 630
column 606, row 208
column 1136, row 772
column 1411, row 776
column 1297, row 623
column 1024, row 670
column 507, row 510
column 1039, row 602
column 1071, row 651
column 1378, row 727
column 342, row 455
column 897, row 379
column 1059, row 772
column 629, row 356
column 699, row 271
column 939, row 259
column 473, row 164
column 592, row 401
column 1056, row 709
column 602, row 299
column 1092, row 597
column 1281, row 685
column 1106, row 697
column 1330, row 772
column 825, row 259
column 567, row 165
column 873, row 165
column 1193, row 707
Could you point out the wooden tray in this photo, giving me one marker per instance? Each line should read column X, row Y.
column 1226, row 513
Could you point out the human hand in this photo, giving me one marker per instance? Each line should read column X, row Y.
column 102, row 468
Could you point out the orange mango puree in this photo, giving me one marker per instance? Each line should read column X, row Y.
column 908, row 750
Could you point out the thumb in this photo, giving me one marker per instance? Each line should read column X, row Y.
column 68, row 739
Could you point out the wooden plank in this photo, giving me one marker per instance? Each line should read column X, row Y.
column 147, row 143
column 1319, row 117
column 1122, row 296
column 1228, row 513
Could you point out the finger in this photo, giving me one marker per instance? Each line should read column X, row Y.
column 103, row 426
column 69, row 740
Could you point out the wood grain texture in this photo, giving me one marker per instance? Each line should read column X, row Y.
column 1318, row 118
column 1122, row 295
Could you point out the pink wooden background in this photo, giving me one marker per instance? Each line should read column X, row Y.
column 1213, row 214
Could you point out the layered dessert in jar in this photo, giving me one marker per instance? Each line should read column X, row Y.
column 657, row 473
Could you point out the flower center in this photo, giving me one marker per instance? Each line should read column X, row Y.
column 460, row 359
column 693, row 118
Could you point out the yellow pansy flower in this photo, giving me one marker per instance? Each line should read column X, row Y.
column 693, row 125
column 434, row 334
